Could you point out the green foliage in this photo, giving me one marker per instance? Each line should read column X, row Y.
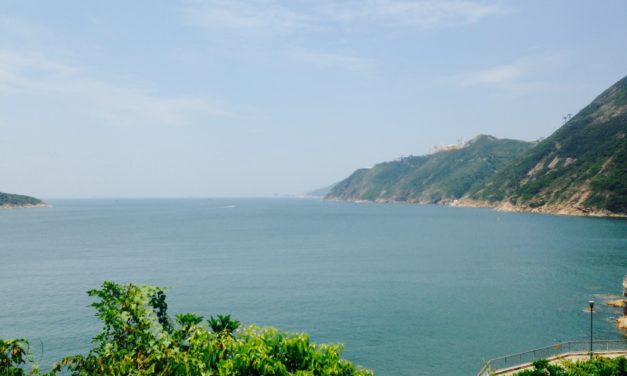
column 543, row 368
column 188, row 320
column 583, row 165
column 223, row 324
column 433, row 178
column 13, row 355
column 8, row 199
column 611, row 186
column 139, row 338
column 136, row 334
column 597, row 366
column 594, row 142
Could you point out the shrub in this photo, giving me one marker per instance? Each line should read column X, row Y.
column 597, row 366
column 139, row 338
column 13, row 355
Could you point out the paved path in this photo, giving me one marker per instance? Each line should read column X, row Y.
column 558, row 359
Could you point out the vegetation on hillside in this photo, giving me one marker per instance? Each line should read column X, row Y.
column 438, row 177
column 580, row 169
column 597, row 366
column 140, row 338
column 582, row 165
column 8, row 199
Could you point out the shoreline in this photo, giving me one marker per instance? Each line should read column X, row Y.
column 501, row 207
column 562, row 210
column 25, row 206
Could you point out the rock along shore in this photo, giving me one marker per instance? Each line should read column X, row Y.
column 26, row 206
column 500, row 206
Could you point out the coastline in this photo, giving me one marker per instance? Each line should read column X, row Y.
column 25, row 206
column 562, row 210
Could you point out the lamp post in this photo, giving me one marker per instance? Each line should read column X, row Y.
column 591, row 303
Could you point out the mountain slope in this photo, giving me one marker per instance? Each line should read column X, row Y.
column 580, row 169
column 436, row 178
column 8, row 200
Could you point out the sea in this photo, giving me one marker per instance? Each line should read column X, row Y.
column 408, row 289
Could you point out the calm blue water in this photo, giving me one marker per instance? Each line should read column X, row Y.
column 410, row 290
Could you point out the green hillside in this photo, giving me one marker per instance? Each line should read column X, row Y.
column 581, row 168
column 12, row 200
column 436, row 178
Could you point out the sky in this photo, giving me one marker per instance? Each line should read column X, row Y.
column 239, row 98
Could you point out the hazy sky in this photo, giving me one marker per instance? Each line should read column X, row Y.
column 252, row 98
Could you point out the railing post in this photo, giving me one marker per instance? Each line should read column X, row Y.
column 591, row 303
column 561, row 348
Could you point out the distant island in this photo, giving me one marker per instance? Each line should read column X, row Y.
column 581, row 169
column 10, row 201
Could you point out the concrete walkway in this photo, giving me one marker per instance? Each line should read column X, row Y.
column 575, row 356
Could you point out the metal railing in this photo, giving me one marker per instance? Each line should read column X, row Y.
column 570, row 347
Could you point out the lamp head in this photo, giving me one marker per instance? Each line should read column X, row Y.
column 591, row 303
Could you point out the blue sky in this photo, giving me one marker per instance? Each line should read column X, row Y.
column 255, row 98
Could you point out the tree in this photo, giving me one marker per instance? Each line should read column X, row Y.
column 139, row 338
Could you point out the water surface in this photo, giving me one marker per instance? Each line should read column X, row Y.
column 409, row 290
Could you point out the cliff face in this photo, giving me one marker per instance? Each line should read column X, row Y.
column 8, row 200
column 436, row 178
column 580, row 169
